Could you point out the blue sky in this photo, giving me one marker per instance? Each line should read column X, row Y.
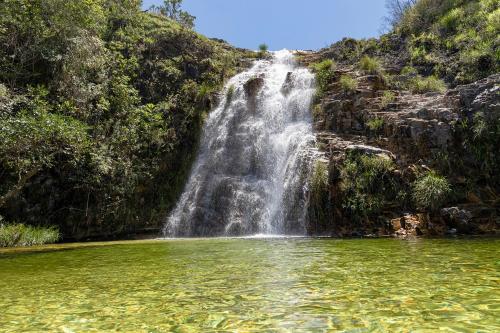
column 291, row 24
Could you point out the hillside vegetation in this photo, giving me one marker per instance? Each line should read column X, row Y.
column 411, row 123
column 456, row 40
column 100, row 110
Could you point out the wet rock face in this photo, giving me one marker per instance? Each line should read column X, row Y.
column 253, row 86
column 288, row 84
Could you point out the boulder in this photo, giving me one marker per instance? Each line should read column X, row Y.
column 253, row 86
column 288, row 84
column 457, row 218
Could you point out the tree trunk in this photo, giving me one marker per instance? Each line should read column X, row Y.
column 18, row 187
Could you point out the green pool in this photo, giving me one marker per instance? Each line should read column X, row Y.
column 254, row 285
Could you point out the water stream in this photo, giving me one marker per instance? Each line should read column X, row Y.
column 250, row 176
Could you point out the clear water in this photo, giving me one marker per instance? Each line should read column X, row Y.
column 255, row 155
column 254, row 285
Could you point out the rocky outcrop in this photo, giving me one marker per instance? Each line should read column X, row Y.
column 253, row 86
column 419, row 132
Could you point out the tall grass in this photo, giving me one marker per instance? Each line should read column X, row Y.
column 431, row 191
column 324, row 76
column 422, row 85
column 348, row 84
column 370, row 65
column 22, row 235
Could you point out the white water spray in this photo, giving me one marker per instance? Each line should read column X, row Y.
column 250, row 176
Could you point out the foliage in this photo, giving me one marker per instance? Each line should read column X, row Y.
column 457, row 39
column 263, row 51
column 431, row 191
column 481, row 139
column 319, row 192
column 375, row 124
column 388, row 97
column 367, row 182
column 230, row 94
column 348, row 83
column 396, row 10
column 324, row 76
column 318, row 112
column 104, row 109
column 172, row 10
column 370, row 65
column 422, row 85
column 21, row 235
column 454, row 40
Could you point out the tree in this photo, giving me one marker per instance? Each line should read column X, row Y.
column 172, row 9
column 396, row 9
column 262, row 50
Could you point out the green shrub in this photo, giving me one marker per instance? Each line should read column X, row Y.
column 370, row 65
column 409, row 71
column 230, row 94
column 481, row 141
column 21, row 235
column 375, row 124
column 348, row 83
column 318, row 112
column 431, row 191
column 452, row 19
column 324, row 75
column 387, row 98
column 493, row 22
column 420, row 85
column 319, row 180
column 319, row 192
column 367, row 183
column 263, row 49
column 4, row 92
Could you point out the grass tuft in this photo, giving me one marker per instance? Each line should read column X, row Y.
column 324, row 75
column 370, row 65
column 421, row 85
column 12, row 235
column 387, row 98
column 375, row 124
column 348, row 83
column 431, row 191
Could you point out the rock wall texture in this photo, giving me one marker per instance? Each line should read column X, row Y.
column 454, row 133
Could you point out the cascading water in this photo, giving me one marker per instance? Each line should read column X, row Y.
column 250, row 176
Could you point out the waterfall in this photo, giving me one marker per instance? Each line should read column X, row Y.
column 254, row 160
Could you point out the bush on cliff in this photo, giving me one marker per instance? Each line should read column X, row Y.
column 348, row 84
column 319, row 193
column 324, row 76
column 421, row 85
column 367, row 183
column 370, row 65
column 388, row 97
column 431, row 191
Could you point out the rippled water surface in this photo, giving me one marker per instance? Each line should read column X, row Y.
column 254, row 285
